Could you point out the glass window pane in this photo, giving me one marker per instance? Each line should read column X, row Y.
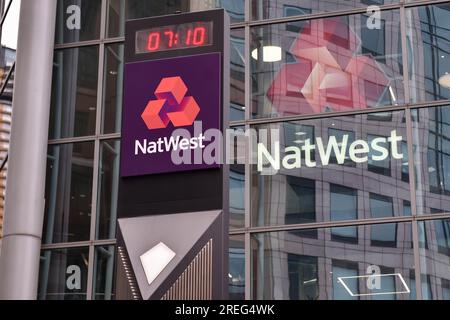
column 135, row 9
column 74, row 92
column 382, row 234
column 343, row 206
column 237, row 178
column 104, row 273
column 426, row 287
column 63, row 274
column 300, row 200
column 435, row 259
column 380, row 166
column 381, row 206
column 289, row 265
column 428, row 37
column 237, row 196
column 302, row 277
column 350, row 271
column 339, row 134
column 108, row 189
column 295, row 165
column 112, row 88
column 236, row 273
column 237, row 75
column 68, row 192
column 77, row 20
column 431, row 133
column 322, row 65
column 268, row 9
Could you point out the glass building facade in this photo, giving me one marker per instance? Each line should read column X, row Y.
column 325, row 71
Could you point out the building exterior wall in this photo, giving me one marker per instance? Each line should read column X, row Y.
column 297, row 233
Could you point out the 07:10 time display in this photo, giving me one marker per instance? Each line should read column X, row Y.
column 186, row 35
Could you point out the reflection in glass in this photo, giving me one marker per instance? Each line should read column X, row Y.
column 428, row 36
column 431, row 133
column 103, row 273
column 343, row 206
column 339, row 134
column 426, row 287
column 350, row 271
column 112, row 91
column 268, row 9
column 300, row 200
column 236, row 273
column 237, row 179
column 379, row 166
column 68, row 192
column 405, row 163
column 120, row 10
column 387, row 284
column 442, row 230
column 63, row 274
column 297, row 134
column 290, row 265
column 237, row 75
column 331, row 64
column 108, row 189
column 74, row 92
column 307, row 192
column 435, row 259
column 302, row 277
column 67, row 29
column 382, row 234
column 237, row 196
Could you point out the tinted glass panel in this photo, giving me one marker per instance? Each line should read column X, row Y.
column 431, row 132
column 112, row 89
column 68, row 192
column 316, row 156
column 295, row 266
column 428, row 36
column 237, row 75
column 323, row 65
column 78, row 20
column 236, row 276
column 267, row 9
column 74, row 92
column 237, row 178
column 108, row 186
column 435, row 259
column 343, row 206
column 63, row 274
column 104, row 273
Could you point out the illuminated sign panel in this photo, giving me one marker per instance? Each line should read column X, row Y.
column 162, row 96
column 173, row 93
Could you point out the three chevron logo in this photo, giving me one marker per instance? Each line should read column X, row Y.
column 172, row 105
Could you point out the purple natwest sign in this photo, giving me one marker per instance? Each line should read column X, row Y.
column 160, row 98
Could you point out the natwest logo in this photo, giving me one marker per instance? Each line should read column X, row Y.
column 171, row 109
column 172, row 105
column 328, row 73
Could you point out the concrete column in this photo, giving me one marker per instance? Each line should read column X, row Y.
column 24, row 204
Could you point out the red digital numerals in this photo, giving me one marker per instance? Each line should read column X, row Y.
column 168, row 39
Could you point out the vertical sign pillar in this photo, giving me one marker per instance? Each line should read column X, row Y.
column 173, row 194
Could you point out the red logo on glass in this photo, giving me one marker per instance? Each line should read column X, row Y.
column 172, row 105
column 327, row 75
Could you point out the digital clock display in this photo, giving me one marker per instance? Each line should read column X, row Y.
column 180, row 36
